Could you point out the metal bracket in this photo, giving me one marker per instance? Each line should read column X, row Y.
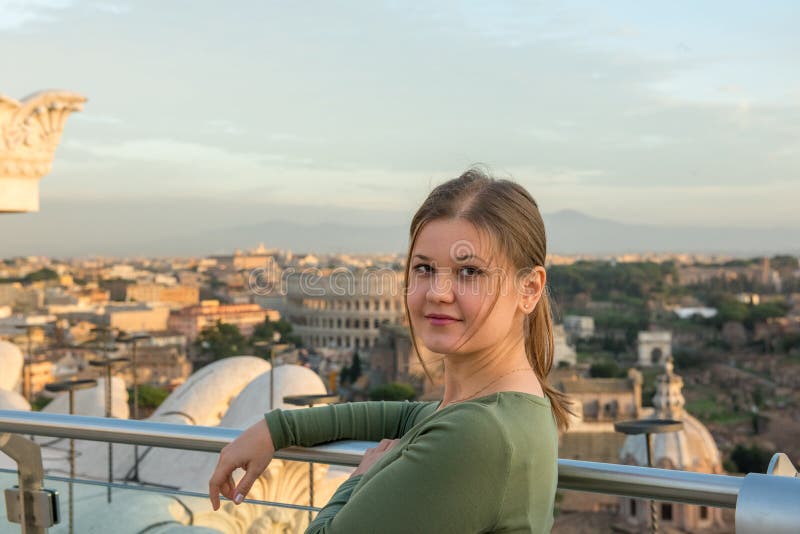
column 769, row 503
column 780, row 465
column 28, row 504
column 41, row 507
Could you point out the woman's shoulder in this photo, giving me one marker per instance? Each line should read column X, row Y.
column 500, row 410
column 511, row 417
column 504, row 405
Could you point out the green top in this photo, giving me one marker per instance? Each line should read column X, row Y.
column 484, row 465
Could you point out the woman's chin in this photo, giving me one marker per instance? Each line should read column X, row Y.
column 440, row 346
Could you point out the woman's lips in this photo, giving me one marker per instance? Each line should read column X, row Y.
column 441, row 320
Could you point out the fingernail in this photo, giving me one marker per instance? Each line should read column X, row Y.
column 238, row 498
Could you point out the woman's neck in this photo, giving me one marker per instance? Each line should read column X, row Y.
column 472, row 375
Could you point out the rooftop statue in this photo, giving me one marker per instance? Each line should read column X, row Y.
column 30, row 131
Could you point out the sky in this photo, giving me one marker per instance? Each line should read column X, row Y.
column 669, row 113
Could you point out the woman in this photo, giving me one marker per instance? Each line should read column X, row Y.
column 484, row 459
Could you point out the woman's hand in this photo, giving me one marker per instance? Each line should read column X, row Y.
column 373, row 455
column 252, row 451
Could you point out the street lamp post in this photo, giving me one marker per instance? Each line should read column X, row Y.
column 108, row 363
column 26, row 362
column 133, row 339
column 70, row 386
column 276, row 337
column 648, row 427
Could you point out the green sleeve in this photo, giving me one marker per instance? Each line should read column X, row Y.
column 366, row 421
column 451, row 478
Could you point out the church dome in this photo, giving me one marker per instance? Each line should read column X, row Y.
column 691, row 449
column 11, row 361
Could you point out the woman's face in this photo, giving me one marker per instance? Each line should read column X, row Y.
column 455, row 274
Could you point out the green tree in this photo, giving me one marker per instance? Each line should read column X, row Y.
column 150, row 396
column 39, row 402
column 355, row 368
column 784, row 262
column 265, row 331
column 394, row 391
column 731, row 310
column 221, row 340
column 751, row 459
column 606, row 370
column 40, row 275
column 765, row 311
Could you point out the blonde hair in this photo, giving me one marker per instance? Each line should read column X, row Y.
column 511, row 216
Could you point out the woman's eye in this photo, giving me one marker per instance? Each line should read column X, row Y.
column 422, row 268
column 468, row 270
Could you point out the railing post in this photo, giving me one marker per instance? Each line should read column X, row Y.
column 770, row 503
column 35, row 507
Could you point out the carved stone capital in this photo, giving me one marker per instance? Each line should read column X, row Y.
column 30, row 131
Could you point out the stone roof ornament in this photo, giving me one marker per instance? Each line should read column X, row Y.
column 668, row 400
column 669, row 366
column 30, row 131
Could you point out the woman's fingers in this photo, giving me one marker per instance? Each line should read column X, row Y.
column 385, row 444
column 250, row 476
column 252, row 450
column 221, row 482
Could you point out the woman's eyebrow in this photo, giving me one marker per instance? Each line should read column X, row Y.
column 463, row 258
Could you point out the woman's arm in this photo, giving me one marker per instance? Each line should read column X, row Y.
column 254, row 448
column 451, row 478
column 365, row 421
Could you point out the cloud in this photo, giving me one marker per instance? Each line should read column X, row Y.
column 223, row 126
column 174, row 151
column 15, row 14
column 96, row 119
column 112, row 8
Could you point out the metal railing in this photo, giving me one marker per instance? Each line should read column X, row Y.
column 761, row 501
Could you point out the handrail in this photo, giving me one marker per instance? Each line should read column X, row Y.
column 623, row 480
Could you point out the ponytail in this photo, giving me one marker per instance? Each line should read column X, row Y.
column 540, row 349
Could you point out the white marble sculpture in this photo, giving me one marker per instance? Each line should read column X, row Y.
column 30, row 131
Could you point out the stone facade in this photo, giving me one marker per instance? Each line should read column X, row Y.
column 190, row 321
column 690, row 449
column 180, row 295
column 654, row 347
column 342, row 309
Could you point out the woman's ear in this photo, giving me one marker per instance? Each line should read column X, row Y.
column 531, row 288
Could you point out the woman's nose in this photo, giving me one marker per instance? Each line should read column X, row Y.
column 441, row 288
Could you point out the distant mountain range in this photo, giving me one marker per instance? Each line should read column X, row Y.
column 176, row 227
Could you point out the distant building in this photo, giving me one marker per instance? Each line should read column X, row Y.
column 599, row 402
column 160, row 361
column 579, row 326
column 136, row 318
column 18, row 296
column 749, row 298
column 342, row 309
column 700, row 311
column 39, row 374
column 178, row 294
column 691, row 449
column 241, row 261
column 394, row 359
column 190, row 321
column 564, row 354
column 654, row 347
